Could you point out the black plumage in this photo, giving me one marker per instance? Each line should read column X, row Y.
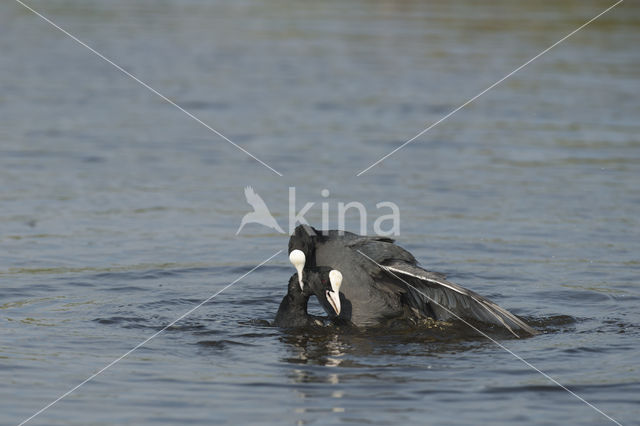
column 293, row 308
column 382, row 281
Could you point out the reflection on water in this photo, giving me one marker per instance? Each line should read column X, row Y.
column 334, row 346
column 322, row 349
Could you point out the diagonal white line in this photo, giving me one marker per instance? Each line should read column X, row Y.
column 130, row 75
column 112, row 363
column 490, row 87
column 551, row 379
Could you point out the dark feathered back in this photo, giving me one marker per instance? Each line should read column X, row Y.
column 303, row 238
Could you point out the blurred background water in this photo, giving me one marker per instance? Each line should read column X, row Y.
column 118, row 213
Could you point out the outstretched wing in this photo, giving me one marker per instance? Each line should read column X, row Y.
column 255, row 201
column 430, row 291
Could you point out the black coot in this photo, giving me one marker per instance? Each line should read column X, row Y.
column 383, row 281
column 324, row 283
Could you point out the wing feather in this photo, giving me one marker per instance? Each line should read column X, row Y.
column 451, row 300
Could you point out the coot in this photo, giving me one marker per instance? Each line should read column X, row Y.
column 383, row 281
column 324, row 283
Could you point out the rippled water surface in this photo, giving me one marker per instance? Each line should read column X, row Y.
column 118, row 213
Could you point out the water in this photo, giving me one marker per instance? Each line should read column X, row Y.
column 118, row 213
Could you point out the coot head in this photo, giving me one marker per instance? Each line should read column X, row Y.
column 325, row 284
column 302, row 250
column 293, row 308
